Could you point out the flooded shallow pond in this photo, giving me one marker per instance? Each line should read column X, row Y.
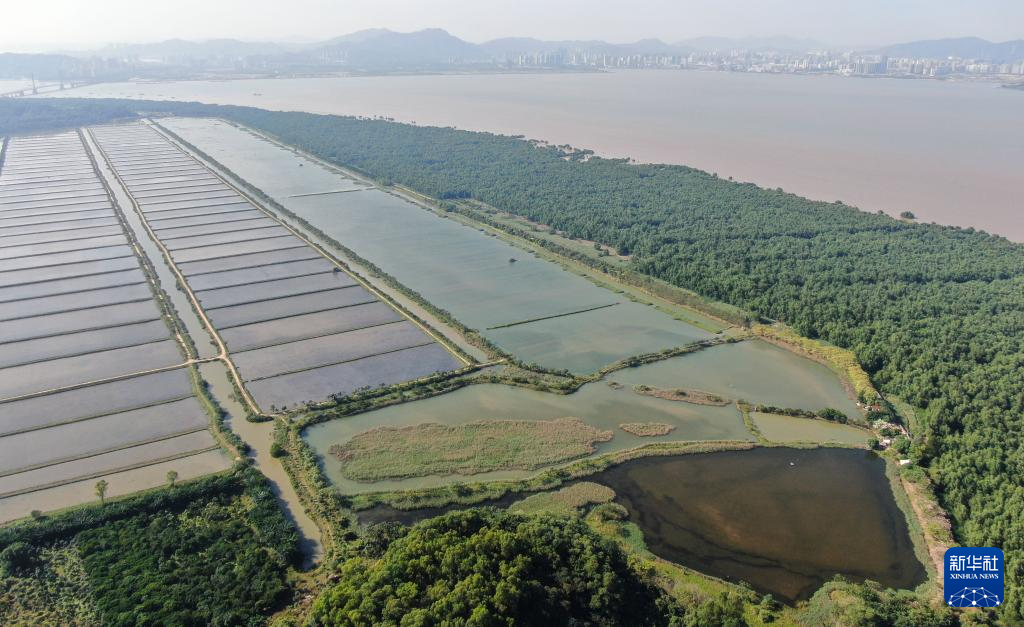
column 784, row 520
column 793, row 429
column 751, row 370
column 596, row 403
column 754, row 371
column 526, row 305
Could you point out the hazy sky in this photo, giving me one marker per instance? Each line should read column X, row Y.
column 47, row 24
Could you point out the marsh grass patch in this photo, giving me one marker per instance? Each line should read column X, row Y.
column 465, row 449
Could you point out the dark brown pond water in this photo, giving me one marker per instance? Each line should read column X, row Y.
column 783, row 520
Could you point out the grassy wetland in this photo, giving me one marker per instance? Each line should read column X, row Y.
column 465, row 449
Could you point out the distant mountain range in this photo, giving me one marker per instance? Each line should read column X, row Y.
column 962, row 47
column 381, row 46
column 181, row 48
column 382, row 49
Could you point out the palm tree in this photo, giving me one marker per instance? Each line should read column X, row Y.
column 101, row 490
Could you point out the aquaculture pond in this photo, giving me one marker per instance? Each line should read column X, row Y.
column 598, row 404
column 784, row 520
column 754, row 371
column 529, row 306
column 244, row 271
column 78, row 324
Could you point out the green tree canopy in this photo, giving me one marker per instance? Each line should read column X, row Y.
column 489, row 567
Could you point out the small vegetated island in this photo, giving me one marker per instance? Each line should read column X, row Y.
column 466, row 449
column 697, row 397
column 647, row 429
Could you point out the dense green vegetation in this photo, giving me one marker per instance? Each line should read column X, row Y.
column 486, row 567
column 209, row 552
column 19, row 115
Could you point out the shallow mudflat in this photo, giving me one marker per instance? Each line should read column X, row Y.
column 192, row 208
column 309, row 325
column 72, row 201
column 58, row 227
column 484, row 282
column 96, row 465
column 257, row 274
column 67, row 371
column 46, row 191
column 276, row 288
column 215, row 219
column 217, row 251
column 106, row 433
column 85, row 342
column 285, row 310
column 43, row 305
column 227, row 317
column 168, row 182
column 230, row 224
column 155, row 201
column 71, row 285
column 60, row 217
column 329, row 349
column 8, row 240
column 47, row 248
column 146, row 192
column 106, row 398
column 81, row 320
column 120, row 483
column 319, row 383
column 58, row 259
column 66, row 271
column 241, row 234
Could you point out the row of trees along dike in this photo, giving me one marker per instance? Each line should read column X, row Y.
column 934, row 314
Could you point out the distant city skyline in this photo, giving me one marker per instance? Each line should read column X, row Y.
column 47, row 25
